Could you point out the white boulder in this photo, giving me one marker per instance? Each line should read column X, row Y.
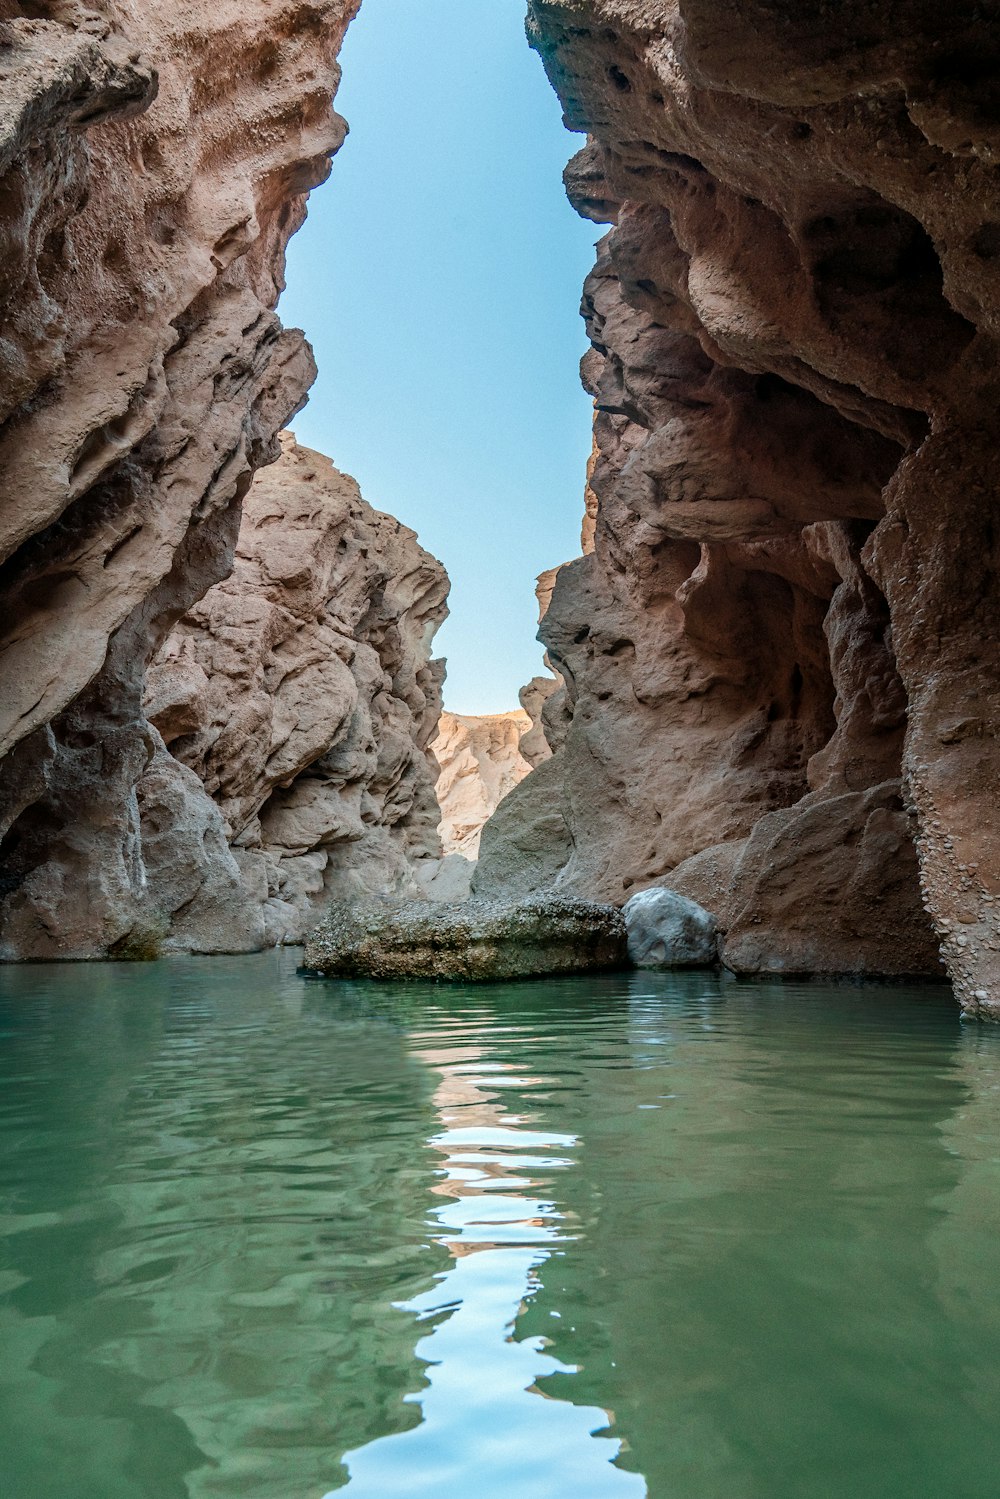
column 666, row 930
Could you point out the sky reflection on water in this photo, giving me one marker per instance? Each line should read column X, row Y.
column 483, row 1412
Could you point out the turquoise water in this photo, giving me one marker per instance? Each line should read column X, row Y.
column 637, row 1235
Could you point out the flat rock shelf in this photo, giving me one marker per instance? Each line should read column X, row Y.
column 472, row 941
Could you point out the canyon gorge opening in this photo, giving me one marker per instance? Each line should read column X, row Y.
column 775, row 662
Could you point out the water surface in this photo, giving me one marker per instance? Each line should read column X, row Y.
column 673, row 1236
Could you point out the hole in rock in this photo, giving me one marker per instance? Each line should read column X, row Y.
column 52, row 258
column 986, row 241
column 874, row 268
column 970, row 82
column 25, row 845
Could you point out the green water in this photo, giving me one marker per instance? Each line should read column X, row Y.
column 268, row 1237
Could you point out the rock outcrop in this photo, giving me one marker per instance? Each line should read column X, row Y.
column 533, row 745
column 154, row 161
column 780, row 657
column 301, row 694
column 480, row 762
column 473, row 941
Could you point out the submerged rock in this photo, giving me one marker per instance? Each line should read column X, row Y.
column 472, row 941
column 666, row 930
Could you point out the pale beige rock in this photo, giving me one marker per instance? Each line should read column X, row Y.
column 534, row 696
column 201, row 898
column 544, row 698
column 480, row 762
column 302, row 693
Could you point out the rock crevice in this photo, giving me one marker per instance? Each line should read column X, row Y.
column 302, row 694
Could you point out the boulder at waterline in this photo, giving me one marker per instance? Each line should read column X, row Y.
column 666, row 930
column 470, row 941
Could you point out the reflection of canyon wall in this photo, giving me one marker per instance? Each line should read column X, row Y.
column 741, row 1212
column 780, row 656
column 265, row 1152
column 480, row 762
column 300, row 695
column 155, row 161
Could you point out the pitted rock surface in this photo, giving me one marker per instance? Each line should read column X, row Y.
column 302, row 693
column 470, row 941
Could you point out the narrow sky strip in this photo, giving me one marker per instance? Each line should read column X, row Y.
column 438, row 278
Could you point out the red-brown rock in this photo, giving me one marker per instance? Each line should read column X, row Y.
column 154, row 160
column 781, row 656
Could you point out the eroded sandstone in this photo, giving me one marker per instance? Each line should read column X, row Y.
column 154, row 161
column 780, row 657
column 481, row 761
column 302, row 693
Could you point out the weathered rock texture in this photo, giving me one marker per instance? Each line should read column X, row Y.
column 480, row 762
column 544, row 697
column 301, row 693
column 781, row 657
column 666, row 930
column 473, row 941
column 154, row 162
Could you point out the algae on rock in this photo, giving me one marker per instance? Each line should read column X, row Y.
column 471, row 941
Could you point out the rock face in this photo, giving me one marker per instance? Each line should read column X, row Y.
column 154, row 161
column 781, row 658
column 473, row 941
column 666, row 930
column 534, row 746
column 301, row 693
column 480, row 762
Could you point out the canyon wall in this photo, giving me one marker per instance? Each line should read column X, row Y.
column 781, row 656
column 155, row 161
column 480, row 762
column 293, row 709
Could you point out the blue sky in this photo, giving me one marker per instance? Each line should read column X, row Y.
column 438, row 278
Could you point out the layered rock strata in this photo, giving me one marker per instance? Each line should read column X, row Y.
column 154, row 162
column 297, row 701
column 781, row 657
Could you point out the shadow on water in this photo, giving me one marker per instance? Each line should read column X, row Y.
column 636, row 1234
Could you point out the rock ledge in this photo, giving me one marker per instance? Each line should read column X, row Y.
column 470, row 941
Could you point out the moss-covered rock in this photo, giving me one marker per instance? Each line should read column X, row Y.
column 471, row 941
